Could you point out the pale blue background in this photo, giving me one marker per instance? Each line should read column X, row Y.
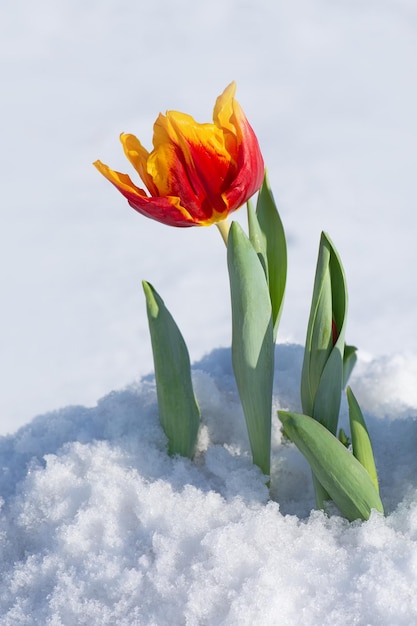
column 330, row 90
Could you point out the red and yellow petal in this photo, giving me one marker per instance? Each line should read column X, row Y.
column 208, row 162
column 167, row 171
column 167, row 210
column 138, row 157
column 250, row 168
column 189, row 161
column 240, row 140
column 223, row 113
column 119, row 180
column 197, row 173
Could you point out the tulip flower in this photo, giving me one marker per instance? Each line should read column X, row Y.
column 196, row 174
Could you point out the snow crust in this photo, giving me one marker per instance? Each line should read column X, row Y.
column 99, row 526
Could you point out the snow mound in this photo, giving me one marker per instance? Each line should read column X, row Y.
column 100, row 527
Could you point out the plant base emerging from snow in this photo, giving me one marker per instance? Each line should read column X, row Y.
column 252, row 342
column 257, row 273
column 197, row 175
column 349, row 480
column 340, row 474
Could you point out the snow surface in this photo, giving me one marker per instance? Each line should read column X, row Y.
column 98, row 525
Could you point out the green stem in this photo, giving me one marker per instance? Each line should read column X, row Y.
column 224, row 227
column 321, row 494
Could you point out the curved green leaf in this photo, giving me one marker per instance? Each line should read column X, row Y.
column 178, row 409
column 322, row 373
column 275, row 246
column 361, row 442
column 337, row 470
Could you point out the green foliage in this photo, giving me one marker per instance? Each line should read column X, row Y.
column 256, row 237
column 328, row 362
column 349, row 362
column 339, row 473
column 361, row 443
column 343, row 438
column 252, row 342
column 322, row 373
column 268, row 237
column 178, row 409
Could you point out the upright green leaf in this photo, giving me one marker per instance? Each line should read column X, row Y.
column 349, row 362
column 321, row 336
column 319, row 332
column 343, row 438
column 256, row 236
column 338, row 471
column 275, row 246
column 252, row 342
column 178, row 409
column 361, row 442
column 322, row 373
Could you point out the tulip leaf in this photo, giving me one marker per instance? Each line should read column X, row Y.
column 179, row 413
column 329, row 392
column 338, row 471
column 256, row 236
column 349, row 361
column 343, row 438
column 275, row 247
column 361, row 442
column 252, row 342
column 319, row 332
column 322, row 373
column 321, row 338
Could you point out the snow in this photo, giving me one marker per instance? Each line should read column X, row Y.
column 98, row 525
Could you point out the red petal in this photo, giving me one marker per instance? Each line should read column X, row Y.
column 250, row 167
column 165, row 210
